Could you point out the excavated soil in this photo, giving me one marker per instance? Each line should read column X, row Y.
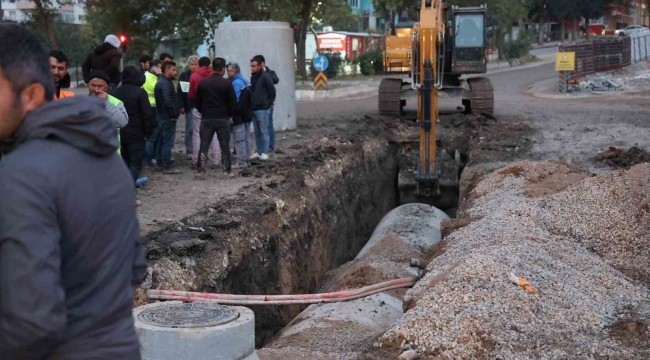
column 619, row 158
column 308, row 211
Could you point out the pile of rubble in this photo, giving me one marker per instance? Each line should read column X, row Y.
column 620, row 158
column 582, row 250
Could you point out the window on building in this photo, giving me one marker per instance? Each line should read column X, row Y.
column 354, row 4
column 12, row 15
column 67, row 16
column 82, row 18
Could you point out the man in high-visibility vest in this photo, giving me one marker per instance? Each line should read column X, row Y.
column 59, row 69
column 153, row 147
column 97, row 86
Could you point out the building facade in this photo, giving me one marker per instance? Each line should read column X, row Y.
column 19, row 10
column 366, row 11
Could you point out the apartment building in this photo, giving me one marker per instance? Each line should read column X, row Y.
column 19, row 10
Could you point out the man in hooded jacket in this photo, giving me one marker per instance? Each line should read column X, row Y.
column 135, row 133
column 70, row 251
column 106, row 57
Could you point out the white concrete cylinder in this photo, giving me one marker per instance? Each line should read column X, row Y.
column 241, row 40
column 232, row 340
column 415, row 224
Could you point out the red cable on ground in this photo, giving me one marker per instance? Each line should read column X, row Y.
column 229, row 299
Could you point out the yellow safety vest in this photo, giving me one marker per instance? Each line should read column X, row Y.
column 149, row 86
column 115, row 101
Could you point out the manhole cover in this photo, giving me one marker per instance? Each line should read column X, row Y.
column 191, row 315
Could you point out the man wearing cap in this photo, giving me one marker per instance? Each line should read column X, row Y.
column 106, row 57
column 97, row 86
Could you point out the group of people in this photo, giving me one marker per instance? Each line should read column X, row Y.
column 216, row 109
column 145, row 105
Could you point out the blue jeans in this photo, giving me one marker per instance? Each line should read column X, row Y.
column 167, row 139
column 188, row 131
column 271, row 131
column 242, row 135
column 261, row 125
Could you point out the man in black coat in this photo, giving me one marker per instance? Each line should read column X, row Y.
column 276, row 80
column 215, row 99
column 135, row 133
column 167, row 113
column 70, row 250
column 106, row 57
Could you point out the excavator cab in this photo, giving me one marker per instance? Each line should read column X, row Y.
column 467, row 40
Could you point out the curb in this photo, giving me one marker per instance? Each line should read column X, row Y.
column 348, row 93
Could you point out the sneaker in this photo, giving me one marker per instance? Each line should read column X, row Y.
column 255, row 156
column 271, row 150
column 142, row 181
column 171, row 172
column 199, row 176
column 238, row 167
column 264, row 157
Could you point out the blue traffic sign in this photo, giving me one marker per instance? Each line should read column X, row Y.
column 321, row 63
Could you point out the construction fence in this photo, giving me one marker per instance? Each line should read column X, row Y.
column 604, row 54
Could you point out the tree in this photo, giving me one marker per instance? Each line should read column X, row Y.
column 42, row 16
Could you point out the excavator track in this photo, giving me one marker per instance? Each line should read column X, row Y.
column 390, row 96
column 481, row 96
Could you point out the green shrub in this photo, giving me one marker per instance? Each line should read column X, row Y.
column 516, row 49
column 335, row 61
column 370, row 62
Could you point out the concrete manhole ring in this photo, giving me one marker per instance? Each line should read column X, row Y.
column 190, row 315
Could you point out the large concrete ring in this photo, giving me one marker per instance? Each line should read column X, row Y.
column 232, row 340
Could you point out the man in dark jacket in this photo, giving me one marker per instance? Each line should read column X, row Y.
column 276, row 80
column 106, row 57
column 216, row 101
column 263, row 99
column 167, row 112
column 186, row 105
column 70, row 251
column 135, row 133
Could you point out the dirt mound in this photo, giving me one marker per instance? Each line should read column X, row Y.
column 539, row 178
column 467, row 306
column 620, row 158
column 385, row 261
column 610, row 215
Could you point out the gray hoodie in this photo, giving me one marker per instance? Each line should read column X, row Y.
column 70, row 251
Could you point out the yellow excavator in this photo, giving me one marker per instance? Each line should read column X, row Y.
column 444, row 44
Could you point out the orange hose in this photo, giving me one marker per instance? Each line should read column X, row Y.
column 229, row 299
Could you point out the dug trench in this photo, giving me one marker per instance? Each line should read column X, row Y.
column 285, row 236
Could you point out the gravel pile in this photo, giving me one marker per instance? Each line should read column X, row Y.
column 467, row 308
column 609, row 215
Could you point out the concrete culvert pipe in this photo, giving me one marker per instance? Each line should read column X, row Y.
column 239, row 41
column 174, row 330
column 344, row 330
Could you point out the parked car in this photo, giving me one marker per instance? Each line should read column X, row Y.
column 631, row 30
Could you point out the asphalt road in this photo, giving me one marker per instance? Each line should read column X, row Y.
column 569, row 130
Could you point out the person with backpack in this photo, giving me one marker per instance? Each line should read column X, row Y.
column 243, row 115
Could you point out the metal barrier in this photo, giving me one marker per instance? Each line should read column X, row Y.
column 640, row 44
column 602, row 54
